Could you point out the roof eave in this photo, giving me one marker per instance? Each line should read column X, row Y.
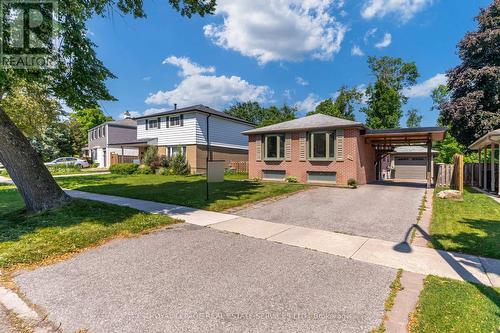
column 258, row 131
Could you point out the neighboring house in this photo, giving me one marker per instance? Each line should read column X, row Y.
column 407, row 162
column 111, row 138
column 185, row 131
column 325, row 149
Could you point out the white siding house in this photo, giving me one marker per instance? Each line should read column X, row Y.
column 185, row 131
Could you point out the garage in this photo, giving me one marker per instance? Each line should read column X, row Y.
column 410, row 167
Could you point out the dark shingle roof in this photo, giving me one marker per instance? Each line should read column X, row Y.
column 200, row 108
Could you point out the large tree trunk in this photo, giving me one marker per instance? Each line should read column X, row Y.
column 35, row 183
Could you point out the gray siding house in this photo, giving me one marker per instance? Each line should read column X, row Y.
column 112, row 137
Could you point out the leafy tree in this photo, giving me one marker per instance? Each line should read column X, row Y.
column 249, row 111
column 81, row 121
column 254, row 113
column 343, row 106
column 440, row 96
column 77, row 77
column 385, row 96
column 274, row 115
column 449, row 147
column 473, row 109
column 413, row 118
column 31, row 108
column 55, row 142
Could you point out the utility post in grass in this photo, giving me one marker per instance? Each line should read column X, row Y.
column 208, row 155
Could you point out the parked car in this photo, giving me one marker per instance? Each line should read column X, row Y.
column 69, row 161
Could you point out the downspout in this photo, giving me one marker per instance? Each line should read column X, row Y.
column 208, row 153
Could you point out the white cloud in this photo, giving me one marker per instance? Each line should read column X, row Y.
column 369, row 34
column 212, row 90
column 356, row 51
column 146, row 78
column 425, row 88
column 386, row 41
column 404, row 9
column 133, row 114
column 278, row 30
column 187, row 67
column 301, row 81
column 308, row 104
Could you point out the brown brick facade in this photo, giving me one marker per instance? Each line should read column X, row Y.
column 358, row 162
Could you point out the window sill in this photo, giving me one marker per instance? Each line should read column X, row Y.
column 321, row 159
column 273, row 159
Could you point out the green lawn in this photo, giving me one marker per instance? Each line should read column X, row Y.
column 454, row 306
column 469, row 226
column 182, row 190
column 80, row 224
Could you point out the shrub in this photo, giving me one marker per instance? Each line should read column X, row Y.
column 4, row 173
column 94, row 165
column 164, row 161
column 124, row 168
column 163, row 171
column 179, row 165
column 291, row 179
column 151, row 156
column 144, row 170
column 352, row 183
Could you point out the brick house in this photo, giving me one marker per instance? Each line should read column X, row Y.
column 325, row 149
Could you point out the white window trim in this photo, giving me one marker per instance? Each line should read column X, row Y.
column 170, row 150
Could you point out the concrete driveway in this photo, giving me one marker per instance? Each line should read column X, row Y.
column 384, row 211
column 193, row 279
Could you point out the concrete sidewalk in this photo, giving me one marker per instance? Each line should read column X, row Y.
column 414, row 259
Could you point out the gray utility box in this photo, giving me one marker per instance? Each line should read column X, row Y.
column 215, row 171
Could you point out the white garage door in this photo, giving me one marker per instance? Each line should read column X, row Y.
column 410, row 167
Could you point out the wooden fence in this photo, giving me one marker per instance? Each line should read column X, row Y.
column 451, row 175
column 115, row 158
column 239, row 167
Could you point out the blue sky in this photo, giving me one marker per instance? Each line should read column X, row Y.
column 275, row 52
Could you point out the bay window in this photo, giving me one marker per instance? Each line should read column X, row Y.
column 274, row 145
column 321, row 145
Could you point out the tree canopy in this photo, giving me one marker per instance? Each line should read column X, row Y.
column 414, row 119
column 343, row 106
column 385, row 96
column 76, row 77
column 256, row 114
column 473, row 108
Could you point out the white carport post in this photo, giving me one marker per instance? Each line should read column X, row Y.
column 485, row 169
column 499, row 169
column 492, row 160
column 479, row 180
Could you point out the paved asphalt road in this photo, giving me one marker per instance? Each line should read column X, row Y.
column 377, row 211
column 193, row 279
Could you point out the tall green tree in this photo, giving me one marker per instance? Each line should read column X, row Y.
column 413, row 118
column 473, row 109
column 81, row 121
column 385, row 96
column 254, row 113
column 343, row 106
column 31, row 108
column 77, row 77
column 249, row 111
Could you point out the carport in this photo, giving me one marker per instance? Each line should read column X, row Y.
column 385, row 141
column 488, row 141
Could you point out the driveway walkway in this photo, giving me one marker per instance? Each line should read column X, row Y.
column 377, row 211
column 381, row 252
